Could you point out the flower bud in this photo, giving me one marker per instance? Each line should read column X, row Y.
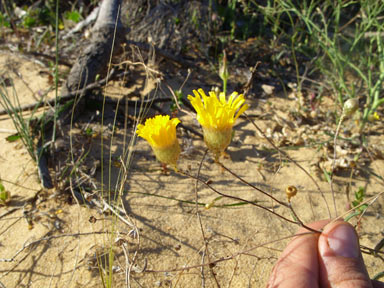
column 350, row 107
column 291, row 191
column 217, row 140
column 217, row 115
column 160, row 132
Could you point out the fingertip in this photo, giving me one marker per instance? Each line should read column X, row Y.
column 340, row 240
column 298, row 265
column 341, row 263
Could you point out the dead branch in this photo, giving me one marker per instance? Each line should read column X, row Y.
column 107, row 34
column 70, row 95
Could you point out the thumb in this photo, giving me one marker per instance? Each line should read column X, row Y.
column 341, row 263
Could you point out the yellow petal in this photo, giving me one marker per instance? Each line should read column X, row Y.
column 159, row 131
column 241, row 111
column 214, row 111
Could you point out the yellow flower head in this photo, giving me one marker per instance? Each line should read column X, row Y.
column 373, row 117
column 217, row 116
column 160, row 132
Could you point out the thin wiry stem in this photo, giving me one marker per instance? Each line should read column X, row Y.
column 206, row 251
column 300, row 223
column 293, row 161
column 230, row 257
column 251, row 185
column 48, row 238
column 334, row 160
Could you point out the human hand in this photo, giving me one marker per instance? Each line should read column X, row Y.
column 330, row 259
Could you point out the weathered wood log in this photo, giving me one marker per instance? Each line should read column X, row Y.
column 107, row 34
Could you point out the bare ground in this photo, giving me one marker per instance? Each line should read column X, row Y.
column 242, row 241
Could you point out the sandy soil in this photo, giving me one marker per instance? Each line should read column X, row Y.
column 64, row 242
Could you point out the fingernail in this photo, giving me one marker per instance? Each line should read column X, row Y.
column 343, row 241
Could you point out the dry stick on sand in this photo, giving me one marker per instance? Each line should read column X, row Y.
column 8, row 131
column 230, row 257
column 89, row 87
column 48, row 238
column 67, row 96
column 26, row 201
column 21, row 186
column 298, row 222
column 134, row 232
column 104, row 205
column 206, row 251
column 365, row 250
column 176, row 59
column 36, row 242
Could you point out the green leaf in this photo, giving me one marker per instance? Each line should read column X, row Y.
column 350, row 216
column 2, row 188
column 378, row 276
column 5, row 197
column 13, row 138
column 355, row 203
column 360, row 194
column 89, row 131
column 29, row 22
column 176, row 20
column 179, row 95
column 327, row 176
column 362, row 208
column 4, row 21
column 74, row 16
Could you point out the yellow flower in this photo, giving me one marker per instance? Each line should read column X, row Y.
column 373, row 117
column 217, row 117
column 160, row 132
